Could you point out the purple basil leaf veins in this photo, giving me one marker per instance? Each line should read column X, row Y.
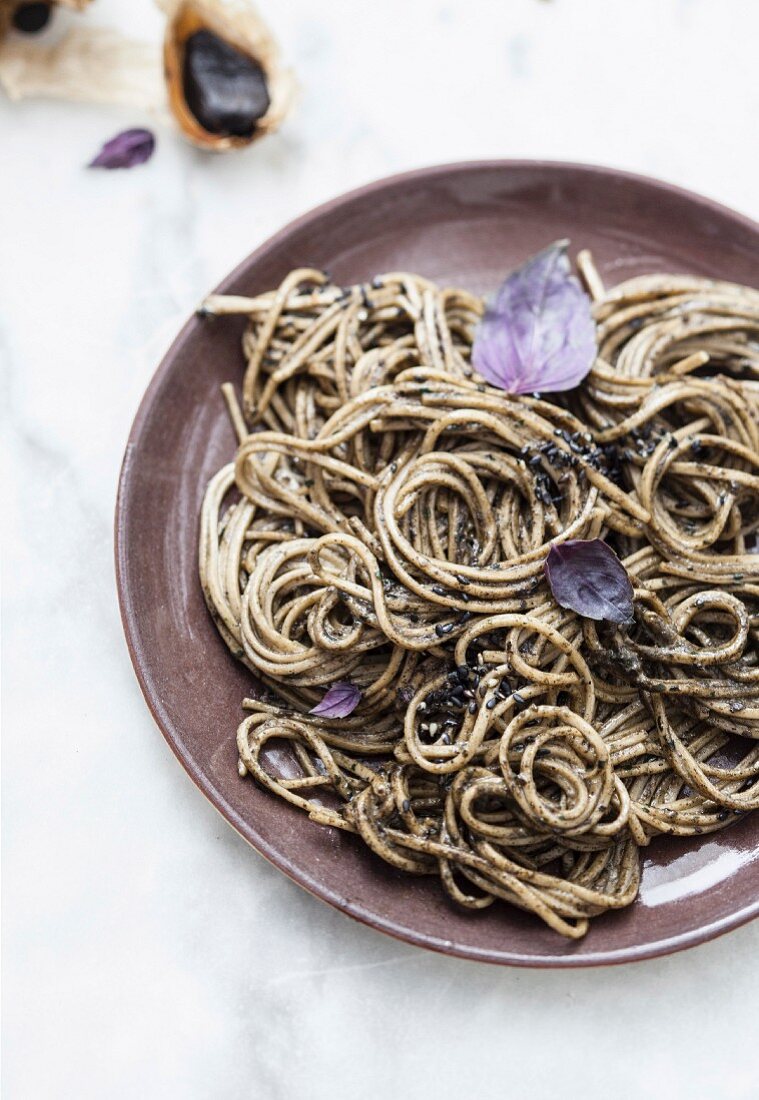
column 586, row 576
column 125, row 150
column 538, row 334
column 340, row 701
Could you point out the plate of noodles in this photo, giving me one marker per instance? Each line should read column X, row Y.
column 436, row 553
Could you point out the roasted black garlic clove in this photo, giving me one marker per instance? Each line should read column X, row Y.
column 225, row 82
column 31, row 18
column 225, row 89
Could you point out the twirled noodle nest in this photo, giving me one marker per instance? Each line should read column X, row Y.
column 386, row 522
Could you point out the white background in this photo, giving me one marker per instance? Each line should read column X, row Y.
column 148, row 951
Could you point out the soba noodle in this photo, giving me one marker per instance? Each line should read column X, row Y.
column 386, row 522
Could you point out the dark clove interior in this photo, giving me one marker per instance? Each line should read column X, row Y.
column 224, row 88
column 31, row 18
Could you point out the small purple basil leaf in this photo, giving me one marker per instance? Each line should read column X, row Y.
column 538, row 335
column 340, row 701
column 125, row 150
column 586, row 576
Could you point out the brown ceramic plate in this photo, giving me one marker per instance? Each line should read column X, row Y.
column 463, row 224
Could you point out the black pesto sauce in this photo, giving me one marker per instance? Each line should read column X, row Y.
column 224, row 88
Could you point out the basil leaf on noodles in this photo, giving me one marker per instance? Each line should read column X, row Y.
column 538, row 334
column 340, row 701
column 125, row 150
column 586, row 576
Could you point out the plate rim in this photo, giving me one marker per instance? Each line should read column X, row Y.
column 352, row 908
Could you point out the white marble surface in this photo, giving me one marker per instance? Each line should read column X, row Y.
column 148, row 952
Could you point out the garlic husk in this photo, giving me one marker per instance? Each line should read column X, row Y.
column 238, row 23
column 89, row 64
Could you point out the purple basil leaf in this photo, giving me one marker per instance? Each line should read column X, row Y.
column 125, row 150
column 538, row 335
column 340, row 701
column 586, row 576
